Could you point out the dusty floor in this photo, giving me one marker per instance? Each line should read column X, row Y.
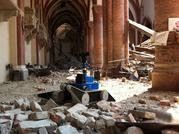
column 127, row 93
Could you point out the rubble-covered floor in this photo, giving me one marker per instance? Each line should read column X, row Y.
column 127, row 93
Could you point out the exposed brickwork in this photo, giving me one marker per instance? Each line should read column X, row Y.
column 118, row 30
column 165, row 9
column 98, row 36
column 91, row 41
column 166, row 73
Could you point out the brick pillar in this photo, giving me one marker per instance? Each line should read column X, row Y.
column 109, row 30
column 20, row 36
column 105, row 46
column 126, row 26
column 118, row 31
column 98, row 35
column 91, row 42
column 165, row 75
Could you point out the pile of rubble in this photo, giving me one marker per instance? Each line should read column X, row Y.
column 24, row 116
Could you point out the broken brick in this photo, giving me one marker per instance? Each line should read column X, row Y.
column 176, row 99
column 35, row 107
column 142, row 101
column 49, row 105
column 154, row 97
column 165, row 102
column 77, row 108
column 143, row 114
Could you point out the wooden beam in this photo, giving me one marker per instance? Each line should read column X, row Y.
column 143, row 29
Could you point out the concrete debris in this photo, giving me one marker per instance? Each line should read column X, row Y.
column 35, row 107
column 104, row 105
column 38, row 115
column 34, row 126
column 67, row 129
column 77, row 108
column 109, row 121
column 131, row 118
column 49, row 105
column 58, row 117
column 92, row 113
column 21, row 117
column 60, row 109
column 100, row 124
column 134, row 130
column 90, row 122
column 43, row 130
column 143, row 114
column 4, row 108
column 78, row 120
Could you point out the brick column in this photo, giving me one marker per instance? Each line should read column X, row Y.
column 20, row 36
column 91, row 42
column 98, row 35
column 118, row 31
column 105, row 46
column 165, row 75
column 109, row 30
column 126, row 29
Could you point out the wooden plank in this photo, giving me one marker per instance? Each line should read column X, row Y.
column 145, row 30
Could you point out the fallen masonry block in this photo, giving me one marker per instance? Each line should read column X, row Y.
column 4, row 129
column 21, row 117
column 77, row 120
column 6, row 116
column 92, row 113
column 100, row 124
column 15, row 111
column 67, row 129
column 38, row 115
column 110, row 122
column 34, row 126
column 90, row 122
column 5, row 126
column 143, row 114
column 25, row 106
column 57, row 117
column 18, row 102
column 35, row 107
column 131, row 118
column 165, row 102
column 154, row 97
column 77, row 108
column 134, row 130
column 59, row 109
column 49, row 105
column 43, row 130
column 4, row 108
column 104, row 105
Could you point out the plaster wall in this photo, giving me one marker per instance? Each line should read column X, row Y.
column 4, row 50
